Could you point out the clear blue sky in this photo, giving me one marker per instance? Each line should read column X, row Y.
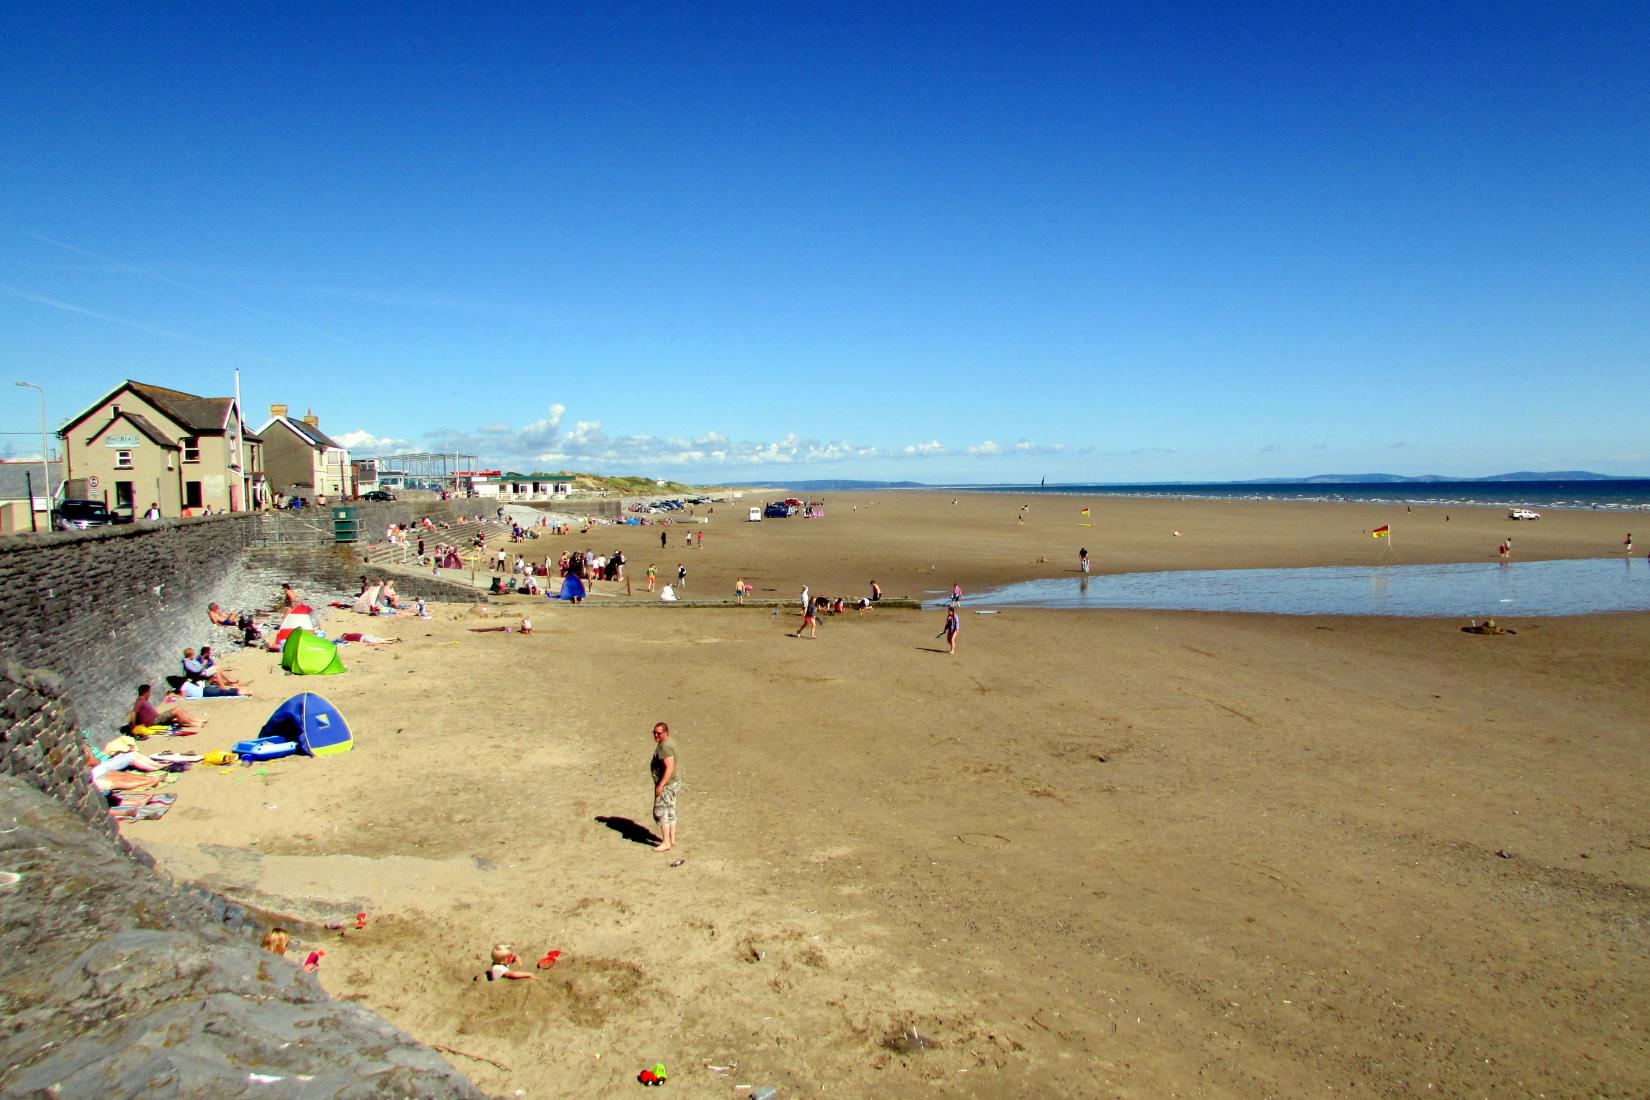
column 943, row 243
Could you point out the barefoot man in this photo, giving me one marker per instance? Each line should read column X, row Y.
column 667, row 781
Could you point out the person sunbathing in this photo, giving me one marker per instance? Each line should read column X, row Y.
column 145, row 714
column 523, row 627
column 127, row 771
column 206, row 689
column 217, row 616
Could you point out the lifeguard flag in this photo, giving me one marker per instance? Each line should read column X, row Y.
column 1382, row 532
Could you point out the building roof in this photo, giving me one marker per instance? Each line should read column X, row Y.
column 511, row 475
column 310, row 434
column 15, row 477
column 202, row 414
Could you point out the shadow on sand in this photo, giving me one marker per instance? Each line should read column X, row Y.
column 630, row 830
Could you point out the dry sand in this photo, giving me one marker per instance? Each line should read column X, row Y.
column 1138, row 854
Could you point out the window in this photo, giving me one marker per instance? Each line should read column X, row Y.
column 191, row 494
column 123, row 460
column 191, row 449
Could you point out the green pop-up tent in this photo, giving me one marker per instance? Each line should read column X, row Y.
column 306, row 654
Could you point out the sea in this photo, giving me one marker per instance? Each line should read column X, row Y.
column 1620, row 495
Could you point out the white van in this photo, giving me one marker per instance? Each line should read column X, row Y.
column 756, row 515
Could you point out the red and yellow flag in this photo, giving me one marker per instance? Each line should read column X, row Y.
column 1084, row 512
column 1384, row 531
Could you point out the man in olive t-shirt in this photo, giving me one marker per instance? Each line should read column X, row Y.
column 667, row 781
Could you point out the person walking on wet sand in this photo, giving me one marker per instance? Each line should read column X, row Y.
column 810, row 619
column 952, row 625
column 1083, row 560
column 1628, row 542
column 1506, row 549
column 667, row 783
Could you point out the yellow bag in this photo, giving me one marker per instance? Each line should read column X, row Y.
column 218, row 758
column 145, row 732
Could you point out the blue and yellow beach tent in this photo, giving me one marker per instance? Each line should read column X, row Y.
column 313, row 723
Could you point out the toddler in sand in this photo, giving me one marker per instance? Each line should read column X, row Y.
column 503, row 960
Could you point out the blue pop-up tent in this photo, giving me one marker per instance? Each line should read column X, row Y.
column 313, row 723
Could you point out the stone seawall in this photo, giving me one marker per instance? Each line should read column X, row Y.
column 111, row 608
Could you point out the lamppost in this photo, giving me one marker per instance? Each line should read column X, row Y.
column 45, row 467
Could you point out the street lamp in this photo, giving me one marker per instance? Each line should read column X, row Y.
column 45, row 468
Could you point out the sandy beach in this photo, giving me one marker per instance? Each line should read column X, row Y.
column 1095, row 853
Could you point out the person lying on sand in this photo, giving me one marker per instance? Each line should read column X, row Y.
column 127, row 771
column 357, row 638
column 523, row 627
column 205, row 689
column 1486, row 627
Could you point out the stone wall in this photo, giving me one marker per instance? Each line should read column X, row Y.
column 39, row 744
column 112, row 608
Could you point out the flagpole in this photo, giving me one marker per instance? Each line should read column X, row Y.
column 240, row 444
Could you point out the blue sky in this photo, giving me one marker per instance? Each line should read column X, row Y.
column 937, row 243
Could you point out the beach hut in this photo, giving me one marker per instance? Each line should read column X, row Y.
column 305, row 653
column 313, row 723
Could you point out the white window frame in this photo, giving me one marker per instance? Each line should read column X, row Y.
column 123, row 461
column 191, row 443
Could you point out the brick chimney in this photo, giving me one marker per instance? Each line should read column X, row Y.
column 277, row 410
column 311, row 419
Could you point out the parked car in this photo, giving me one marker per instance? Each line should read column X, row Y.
column 1523, row 513
column 77, row 515
column 756, row 515
column 379, row 495
column 778, row 510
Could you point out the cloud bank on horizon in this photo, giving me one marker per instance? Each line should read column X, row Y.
column 587, row 448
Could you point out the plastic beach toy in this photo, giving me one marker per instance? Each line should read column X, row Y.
column 655, row 1075
column 549, row 959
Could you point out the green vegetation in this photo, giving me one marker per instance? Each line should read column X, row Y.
column 629, row 486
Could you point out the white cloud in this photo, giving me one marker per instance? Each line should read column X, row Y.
column 544, row 444
column 365, row 443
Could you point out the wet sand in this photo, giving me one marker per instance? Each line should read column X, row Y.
column 1095, row 853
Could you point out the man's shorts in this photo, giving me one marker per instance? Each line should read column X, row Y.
column 664, row 803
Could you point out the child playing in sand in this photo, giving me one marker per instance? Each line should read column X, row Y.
column 503, row 960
